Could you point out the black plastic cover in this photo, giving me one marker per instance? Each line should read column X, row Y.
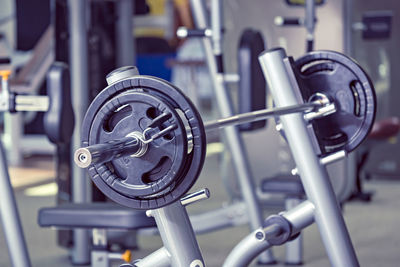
column 283, row 184
column 59, row 120
column 252, row 86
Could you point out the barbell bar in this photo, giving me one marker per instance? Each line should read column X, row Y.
column 134, row 144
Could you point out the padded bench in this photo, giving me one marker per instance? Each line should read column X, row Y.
column 290, row 186
column 99, row 217
column 94, row 215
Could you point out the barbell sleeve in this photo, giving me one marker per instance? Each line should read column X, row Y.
column 260, row 115
column 100, row 153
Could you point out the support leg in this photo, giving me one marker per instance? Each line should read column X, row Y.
column 313, row 175
column 77, row 10
column 178, row 236
column 11, row 222
column 124, row 31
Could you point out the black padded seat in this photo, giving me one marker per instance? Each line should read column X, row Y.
column 283, row 184
column 94, row 215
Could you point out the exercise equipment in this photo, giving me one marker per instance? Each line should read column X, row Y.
column 12, row 102
column 85, row 40
column 59, row 120
column 145, row 109
column 134, row 124
column 289, row 89
column 340, row 78
column 212, row 45
column 308, row 22
column 382, row 130
column 291, row 187
column 252, row 88
column 97, row 217
column 117, row 140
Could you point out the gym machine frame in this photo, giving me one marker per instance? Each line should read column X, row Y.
column 180, row 246
column 9, row 216
column 250, row 206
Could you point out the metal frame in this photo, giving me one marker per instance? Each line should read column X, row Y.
column 180, row 244
column 231, row 134
column 314, row 177
column 9, row 216
column 78, row 11
column 321, row 206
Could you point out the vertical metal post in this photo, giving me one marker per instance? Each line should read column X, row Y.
column 216, row 26
column 77, row 10
column 177, row 234
column 310, row 20
column 294, row 248
column 313, row 175
column 231, row 134
column 124, row 33
column 12, row 137
column 347, row 26
column 11, row 222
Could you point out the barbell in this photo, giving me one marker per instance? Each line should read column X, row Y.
column 144, row 142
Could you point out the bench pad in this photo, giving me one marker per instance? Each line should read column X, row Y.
column 94, row 215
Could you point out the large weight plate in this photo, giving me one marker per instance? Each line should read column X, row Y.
column 187, row 168
column 343, row 81
column 151, row 173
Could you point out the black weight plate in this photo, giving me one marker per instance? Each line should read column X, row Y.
column 193, row 162
column 343, row 81
column 130, row 112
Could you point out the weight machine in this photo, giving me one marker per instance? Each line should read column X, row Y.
column 212, row 33
column 57, row 110
column 322, row 118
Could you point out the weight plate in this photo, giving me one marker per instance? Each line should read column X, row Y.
column 345, row 83
column 187, row 168
column 131, row 112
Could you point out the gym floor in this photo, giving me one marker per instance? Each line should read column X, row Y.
column 373, row 226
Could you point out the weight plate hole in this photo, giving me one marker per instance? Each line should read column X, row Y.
column 158, row 171
column 110, row 166
column 168, row 137
column 317, row 67
column 115, row 117
column 337, row 138
column 152, row 113
column 357, row 105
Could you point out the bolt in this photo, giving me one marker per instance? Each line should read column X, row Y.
column 82, row 158
column 260, row 235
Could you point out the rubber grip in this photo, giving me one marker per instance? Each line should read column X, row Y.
column 5, row 60
column 291, row 22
